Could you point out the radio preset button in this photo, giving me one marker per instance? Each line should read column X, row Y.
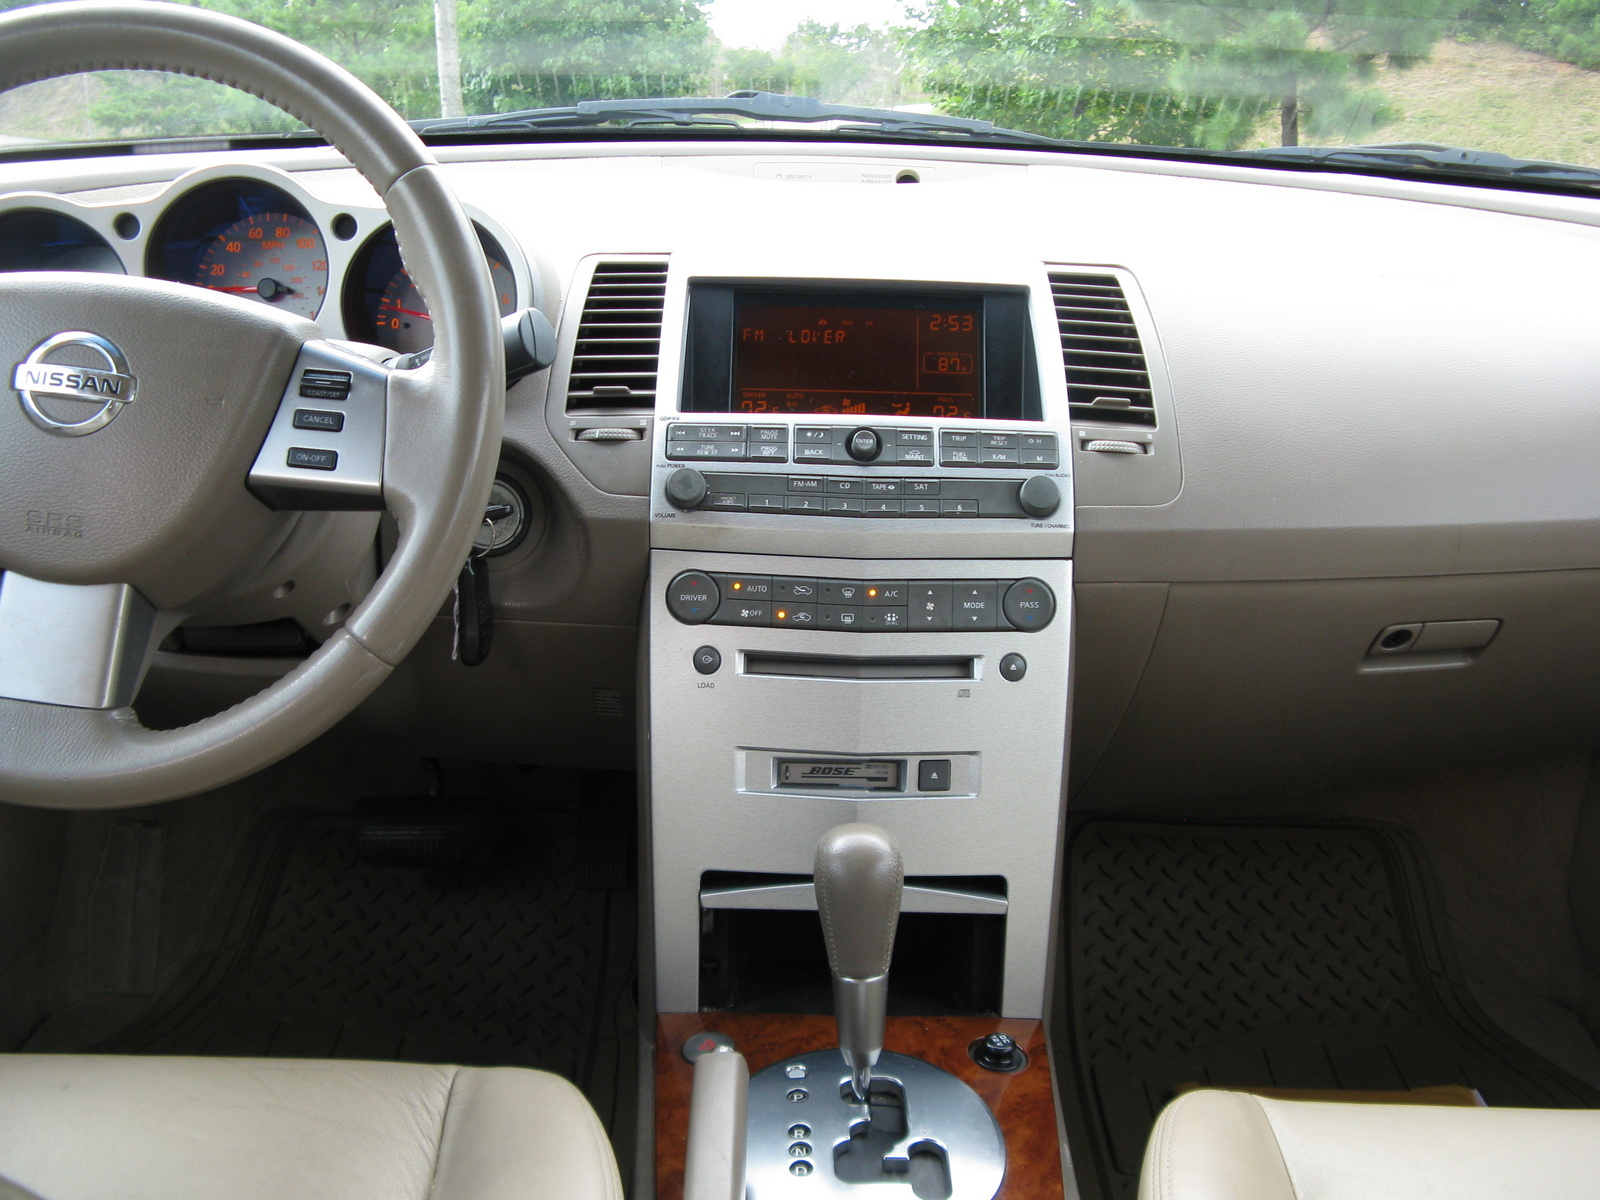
column 692, row 597
column 959, row 508
column 809, row 505
column 882, row 508
column 920, row 508
column 766, row 503
column 846, row 506
column 1029, row 604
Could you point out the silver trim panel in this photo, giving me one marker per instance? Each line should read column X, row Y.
column 77, row 646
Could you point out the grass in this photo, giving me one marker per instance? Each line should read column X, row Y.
column 1490, row 96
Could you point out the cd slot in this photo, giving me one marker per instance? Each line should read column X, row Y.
column 839, row 666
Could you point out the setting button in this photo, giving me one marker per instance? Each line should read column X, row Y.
column 692, row 597
column 930, row 606
column 959, row 437
column 745, row 587
column 973, row 605
column 914, row 437
column 308, row 459
column 933, row 775
column 1029, row 604
column 325, row 422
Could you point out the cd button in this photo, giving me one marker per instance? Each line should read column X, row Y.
column 933, row 775
column 846, row 487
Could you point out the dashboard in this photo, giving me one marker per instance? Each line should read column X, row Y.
column 256, row 233
column 1323, row 409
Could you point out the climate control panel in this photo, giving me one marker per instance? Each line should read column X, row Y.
column 861, row 606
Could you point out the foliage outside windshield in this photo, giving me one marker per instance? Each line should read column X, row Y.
column 1517, row 76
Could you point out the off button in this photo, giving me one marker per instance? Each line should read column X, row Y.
column 692, row 597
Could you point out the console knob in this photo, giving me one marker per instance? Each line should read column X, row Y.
column 1039, row 496
column 686, row 488
column 864, row 445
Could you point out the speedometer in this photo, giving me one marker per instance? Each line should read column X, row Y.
column 275, row 257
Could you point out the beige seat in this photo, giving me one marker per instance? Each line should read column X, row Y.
column 1214, row 1145
column 90, row 1127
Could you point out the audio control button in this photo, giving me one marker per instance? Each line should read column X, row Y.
column 864, row 445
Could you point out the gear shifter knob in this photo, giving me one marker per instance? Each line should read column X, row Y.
column 859, row 877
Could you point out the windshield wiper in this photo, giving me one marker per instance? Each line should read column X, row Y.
column 684, row 112
column 1433, row 158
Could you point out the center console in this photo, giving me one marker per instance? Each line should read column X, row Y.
column 859, row 610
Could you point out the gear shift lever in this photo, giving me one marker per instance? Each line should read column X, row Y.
column 859, row 877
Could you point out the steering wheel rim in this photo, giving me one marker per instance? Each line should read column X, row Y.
column 440, row 444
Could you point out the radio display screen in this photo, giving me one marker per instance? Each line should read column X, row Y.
column 908, row 353
column 872, row 360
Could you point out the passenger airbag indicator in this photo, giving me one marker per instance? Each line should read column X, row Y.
column 878, row 775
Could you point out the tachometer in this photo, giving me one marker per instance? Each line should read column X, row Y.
column 275, row 257
column 382, row 305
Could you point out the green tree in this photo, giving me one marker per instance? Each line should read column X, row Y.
column 1305, row 58
column 1068, row 68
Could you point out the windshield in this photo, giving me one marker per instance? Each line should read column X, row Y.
column 1517, row 77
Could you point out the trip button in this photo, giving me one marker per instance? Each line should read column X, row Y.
column 1029, row 604
column 973, row 605
column 692, row 597
column 929, row 606
column 959, row 437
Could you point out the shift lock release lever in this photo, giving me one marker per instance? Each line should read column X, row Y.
column 859, row 878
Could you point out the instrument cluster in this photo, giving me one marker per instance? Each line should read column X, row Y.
column 253, row 232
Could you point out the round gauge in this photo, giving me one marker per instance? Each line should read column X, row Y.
column 36, row 240
column 275, row 257
column 388, row 309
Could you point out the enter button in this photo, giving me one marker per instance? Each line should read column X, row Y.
column 933, row 775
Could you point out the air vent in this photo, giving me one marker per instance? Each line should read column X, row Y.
column 1106, row 375
column 619, row 339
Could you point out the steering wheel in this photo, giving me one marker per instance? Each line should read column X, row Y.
column 114, row 527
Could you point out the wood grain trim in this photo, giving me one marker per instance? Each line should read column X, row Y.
column 1022, row 1103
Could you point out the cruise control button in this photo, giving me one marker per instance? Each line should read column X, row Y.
column 692, row 597
column 973, row 605
column 325, row 422
column 1029, row 604
column 309, row 459
column 929, row 605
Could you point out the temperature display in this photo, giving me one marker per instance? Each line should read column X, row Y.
column 925, row 361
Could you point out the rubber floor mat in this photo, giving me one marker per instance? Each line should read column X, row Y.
column 1259, row 957
column 324, row 956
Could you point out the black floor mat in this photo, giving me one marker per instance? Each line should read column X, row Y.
column 524, row 963
column 1268, row 957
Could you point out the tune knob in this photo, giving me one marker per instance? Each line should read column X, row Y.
column 864, row 445
column 686, row 488
column 1039, row 496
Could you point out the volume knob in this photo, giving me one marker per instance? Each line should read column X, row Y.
column 686, row 488
column 1039, row 496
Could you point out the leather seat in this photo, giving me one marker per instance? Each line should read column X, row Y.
column 1215, row 1145
column 90, row 1127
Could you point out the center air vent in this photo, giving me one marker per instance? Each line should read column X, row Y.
column 618, row 349
column 1106, row 375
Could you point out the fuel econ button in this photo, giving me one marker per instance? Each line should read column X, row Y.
column 692, row 597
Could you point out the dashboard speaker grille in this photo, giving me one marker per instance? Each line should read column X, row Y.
column 1107, row 378
column 618, row 349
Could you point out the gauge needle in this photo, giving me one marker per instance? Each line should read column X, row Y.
column 411, row 312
